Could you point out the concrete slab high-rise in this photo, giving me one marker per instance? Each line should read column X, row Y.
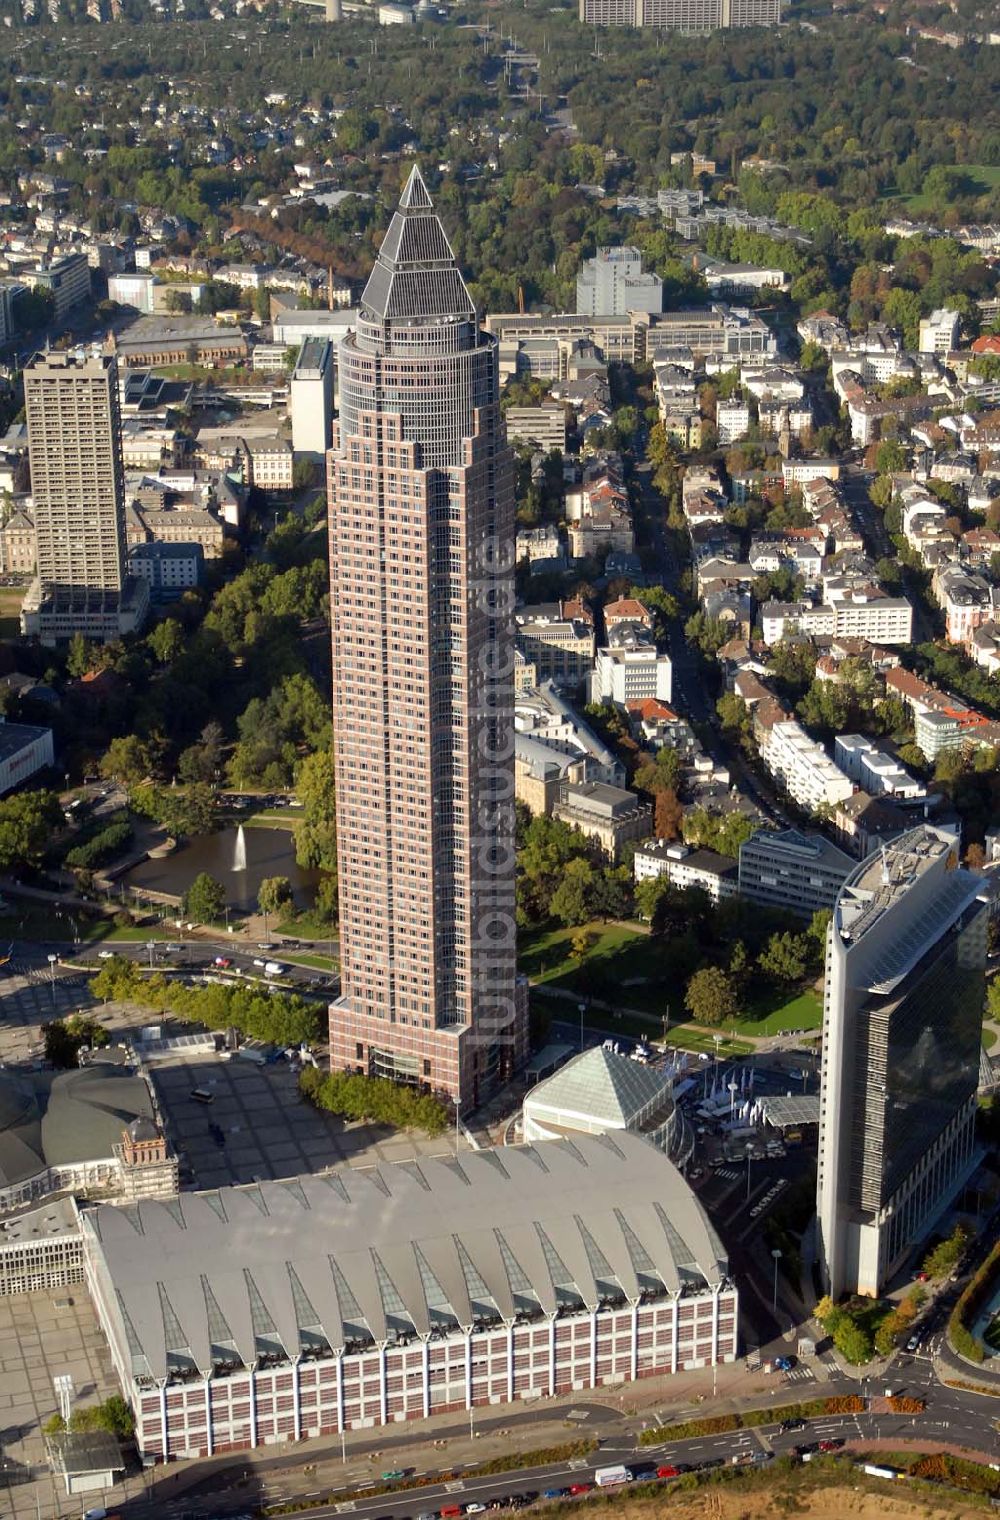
column 902, row 1021
column 422, row 551
column 78, row 489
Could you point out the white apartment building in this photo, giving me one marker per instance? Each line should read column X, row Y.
column 684, row 867
column 939, row 331
column 631, row 670
column 863, row 614
column 875, row 771
column 803, row 767
column 732, row 418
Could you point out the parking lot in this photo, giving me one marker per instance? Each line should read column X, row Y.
column 256, row 1125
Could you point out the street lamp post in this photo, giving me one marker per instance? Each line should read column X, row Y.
column 733, row 1090
column 749, row 1154
column 583, row 1008
column 150, row 947
column 776, row 1254
column 52, row 976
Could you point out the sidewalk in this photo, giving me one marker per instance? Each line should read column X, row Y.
column 443, row 1441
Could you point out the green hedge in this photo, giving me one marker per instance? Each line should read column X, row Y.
column 103, row 846
column 967, row 1308
column 721, row 1423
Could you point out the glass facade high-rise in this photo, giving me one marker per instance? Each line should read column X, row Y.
column 420, row 481
column 901, row 1041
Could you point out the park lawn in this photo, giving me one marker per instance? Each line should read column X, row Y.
column 311, row 962
column 546, row 957
column 274, row 818
column 989, row 1038
column 803, row 1010
column 697, row 1037
column 40, row 922
column 11, row 598
column 986, row 177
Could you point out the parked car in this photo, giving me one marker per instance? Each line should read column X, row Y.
column 576, row 1489
column 791, row 1424
column 831, row 1443
column 667, row 1472
column 223, row 962
column 784, row 1363
column 913, row 1343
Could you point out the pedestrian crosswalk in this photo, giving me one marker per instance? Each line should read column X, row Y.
column 728, row 1173
column 800, row 1374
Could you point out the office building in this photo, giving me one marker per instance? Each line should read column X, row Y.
column 310, row 398
column 786, row 868
column 67, row 281
column 555, row 642
column 614, row 282
column 610, row 815
column 422, row 536
column 902, row 1019
column 285, row 1311
column 77, row 485
column 681, row 15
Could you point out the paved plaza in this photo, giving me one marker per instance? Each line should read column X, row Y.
column 257, row 1125
column 43, row 1335
column 32, row 994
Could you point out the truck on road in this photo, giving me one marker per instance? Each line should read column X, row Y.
column 611, row 1477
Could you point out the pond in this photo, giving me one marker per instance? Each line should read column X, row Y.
column 269, row 852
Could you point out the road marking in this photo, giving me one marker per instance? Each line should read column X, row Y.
column 345, row 1507
column 578, row 1414
column 455, row 1488
column 577, row 1462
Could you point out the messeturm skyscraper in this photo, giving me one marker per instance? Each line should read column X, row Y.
column 422, row 534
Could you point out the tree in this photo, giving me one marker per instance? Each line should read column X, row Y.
column 579, row 945
column 166, row 641
column 79, row 656
column 316, row 835
column 711, row 997
column 27, row 821
column 570, row 902
column 274, row 895
column 853, row 1343
column 65, row 1038
column 127, row 761
column 784, row 957
column 648, row 893
column 205, row 899
column 668, row 815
